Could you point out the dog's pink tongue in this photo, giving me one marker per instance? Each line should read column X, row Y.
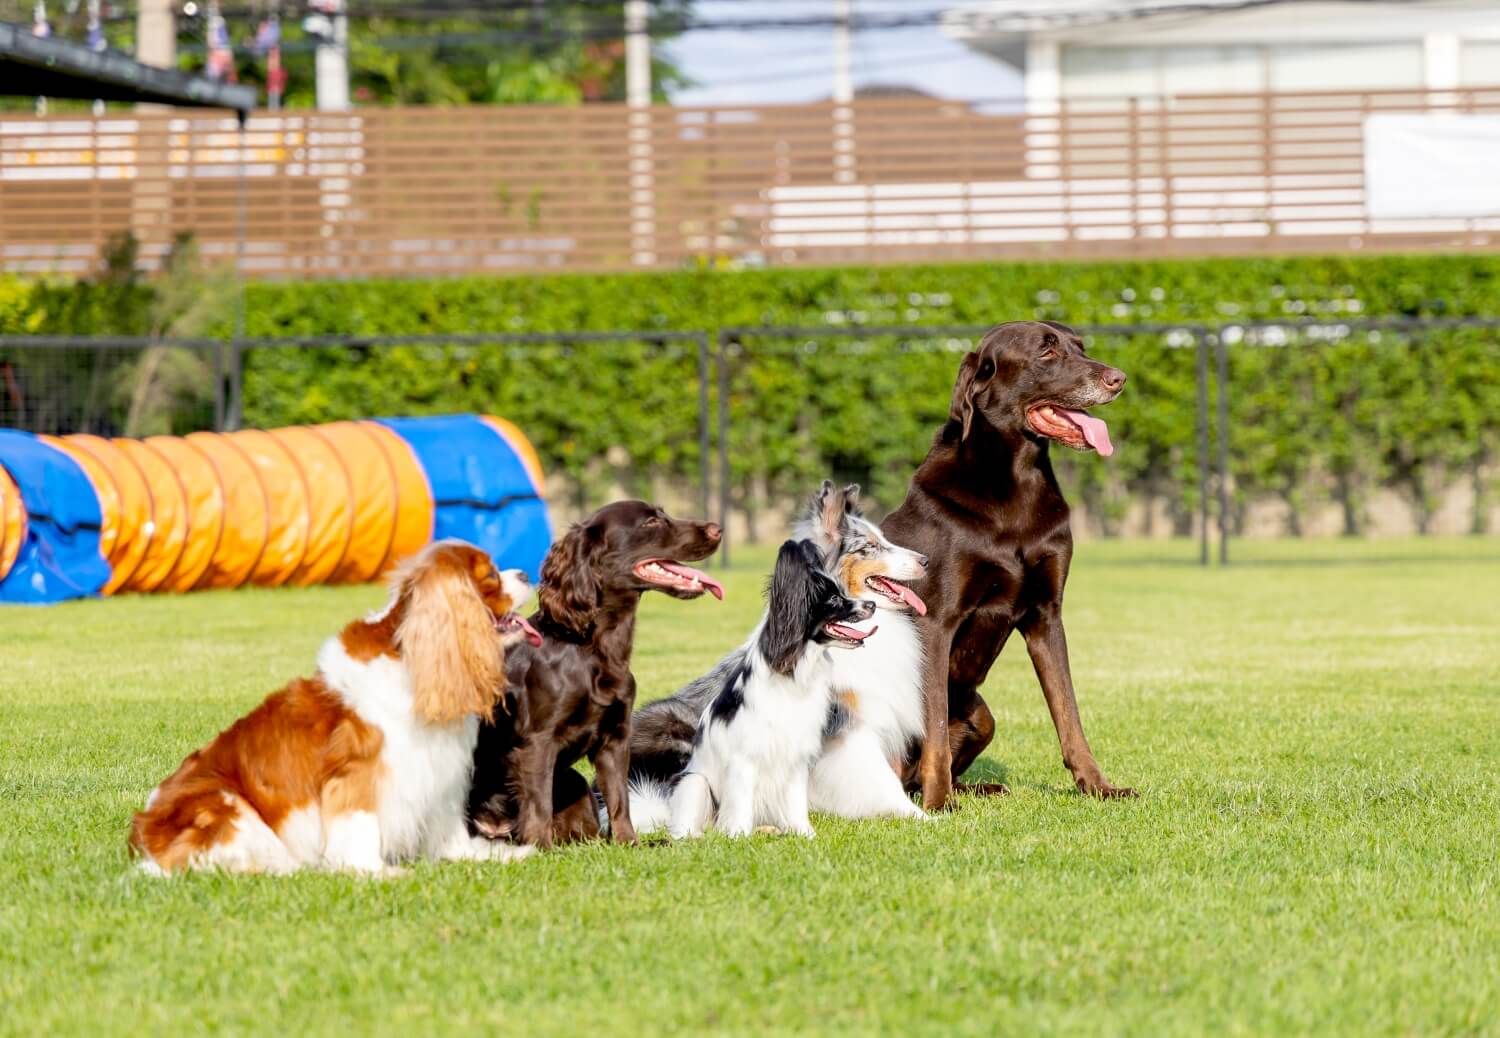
column 532, row 634
column 713, row 586
column 910, row 598
column 1095, row 432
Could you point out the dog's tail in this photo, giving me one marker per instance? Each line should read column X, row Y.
column 650, row 804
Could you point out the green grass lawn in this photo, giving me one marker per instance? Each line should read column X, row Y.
column 1316, row 734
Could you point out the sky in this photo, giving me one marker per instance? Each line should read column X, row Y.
column 781, row 66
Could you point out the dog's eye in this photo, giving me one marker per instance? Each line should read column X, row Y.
column 986, row 369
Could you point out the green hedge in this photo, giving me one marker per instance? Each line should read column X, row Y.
column 1310, row 418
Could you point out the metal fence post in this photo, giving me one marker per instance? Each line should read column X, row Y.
column 219, row 374
column 234, row 413
column 1201, row 334
column 723, row 360
column 1222, row 355
column 705, row 448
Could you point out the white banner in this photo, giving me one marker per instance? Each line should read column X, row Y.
column 1432, row 165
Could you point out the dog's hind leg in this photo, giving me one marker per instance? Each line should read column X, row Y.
column 853, row 779
column 692, row 806
column 252, row 847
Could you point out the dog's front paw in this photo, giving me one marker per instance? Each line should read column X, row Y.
column 1098, row 786
column 937, row 793
column 494, row 827
column 766, row 830
column 983, row 789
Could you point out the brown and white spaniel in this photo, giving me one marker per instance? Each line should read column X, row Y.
column 366, row 764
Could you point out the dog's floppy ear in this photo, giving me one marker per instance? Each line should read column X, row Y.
column 791, row 600
column 569, row 594
column 961, row 410
column 447, row 641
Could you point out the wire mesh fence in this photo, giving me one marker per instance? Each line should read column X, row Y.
column 861, row 404
column 610, row 413
column 111, row 386
column 1229, row 433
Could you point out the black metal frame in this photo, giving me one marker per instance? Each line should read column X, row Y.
column 1210, row 342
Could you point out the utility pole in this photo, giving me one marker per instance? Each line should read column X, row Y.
column 330, row 23
column 97, row 43
column 637, row 54
column 843, row 79
column 151, row 188
column 843, row 94
column 156, row 34
column 642, row 161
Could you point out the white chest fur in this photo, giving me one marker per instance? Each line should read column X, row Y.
column 427, row 767
column 885, row 675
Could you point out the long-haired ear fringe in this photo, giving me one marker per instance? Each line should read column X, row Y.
column 791, row 600
column 569, row 593
column 448, row 642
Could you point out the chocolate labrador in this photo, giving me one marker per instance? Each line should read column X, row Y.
column 986, row 509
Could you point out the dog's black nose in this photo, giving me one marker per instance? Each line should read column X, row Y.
column 1113, row 378
column 922, row 561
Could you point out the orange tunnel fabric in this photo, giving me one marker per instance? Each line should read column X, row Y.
column 415, row 509
column 286, row 493
column 205, row 510
column 132, row 523
column 372, row 501
column 169, row 516
column 104, row 488
column 329, row 515
column 337, row 503
column 247, row 518
column 12, row 523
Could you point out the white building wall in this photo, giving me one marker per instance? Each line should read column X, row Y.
column 1107, row 71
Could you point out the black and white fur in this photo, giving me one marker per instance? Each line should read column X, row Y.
column 869, row 730
column 755, row 745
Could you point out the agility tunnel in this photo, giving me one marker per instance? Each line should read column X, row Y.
column 339, row 503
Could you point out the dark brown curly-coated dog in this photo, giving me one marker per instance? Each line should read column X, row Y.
column 572, row 696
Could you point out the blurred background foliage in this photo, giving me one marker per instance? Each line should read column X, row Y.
column 1320, row 417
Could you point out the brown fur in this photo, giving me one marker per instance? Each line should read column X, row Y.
column 570, row 592
column 446, row 635
column 304, row 745
column 575, row 691
column 853, row 570
column 276, row 759
column 986, row 508
column 365, row 641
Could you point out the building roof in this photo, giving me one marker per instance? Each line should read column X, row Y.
column 1002, row 27
column 50, row 67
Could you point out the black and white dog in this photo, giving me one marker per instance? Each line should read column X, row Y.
column 755, row 745
column 876, row 716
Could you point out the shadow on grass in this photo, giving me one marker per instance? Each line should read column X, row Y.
column 985, row 770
